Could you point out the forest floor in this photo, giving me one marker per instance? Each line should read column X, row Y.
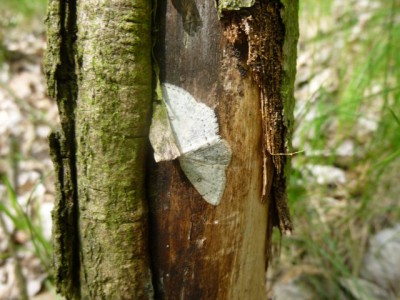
column 27, row 189
column 344, row 187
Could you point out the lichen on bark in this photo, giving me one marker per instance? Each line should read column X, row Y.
column 98, row 68
column 227, row 5
column 62, row 85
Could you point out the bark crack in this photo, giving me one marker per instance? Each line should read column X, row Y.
column 62, row 85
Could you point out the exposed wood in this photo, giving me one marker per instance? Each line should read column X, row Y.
column 243, row 65
column 99, row 70
column 201, row 251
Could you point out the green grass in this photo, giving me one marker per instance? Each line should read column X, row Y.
column 16, row 17
column 368, row 72
column 10, row 207
column 26, row 9
column 19, row 13
column 367, row 65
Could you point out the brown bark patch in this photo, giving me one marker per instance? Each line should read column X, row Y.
column 258, row 34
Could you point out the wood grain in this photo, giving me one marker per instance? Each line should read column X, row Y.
column 200, row 251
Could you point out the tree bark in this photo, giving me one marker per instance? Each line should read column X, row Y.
column 238, row 58
column 243, row 65
column 99, row 70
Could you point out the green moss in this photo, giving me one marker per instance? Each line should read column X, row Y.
column 113, row 118
column 290, row 19
column 111, row 114
column 226, row 5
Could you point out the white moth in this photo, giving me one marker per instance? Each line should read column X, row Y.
column 203, row 155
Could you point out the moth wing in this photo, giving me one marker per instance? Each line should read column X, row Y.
column 218, row 152
column 205, row 169
column 195, row 124
column 161, row 135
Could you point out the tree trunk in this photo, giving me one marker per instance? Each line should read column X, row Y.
column 238, row 58
column 99, row 70
column 243, row 65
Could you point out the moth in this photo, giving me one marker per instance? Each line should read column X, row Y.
column 188, row 130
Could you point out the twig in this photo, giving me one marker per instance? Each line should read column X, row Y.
column 287, row 154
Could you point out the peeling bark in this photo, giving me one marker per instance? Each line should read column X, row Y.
column 240, row 61
column 257, row 34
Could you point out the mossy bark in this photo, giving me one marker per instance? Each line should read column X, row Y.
column 240, row 60
column 98, row 68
